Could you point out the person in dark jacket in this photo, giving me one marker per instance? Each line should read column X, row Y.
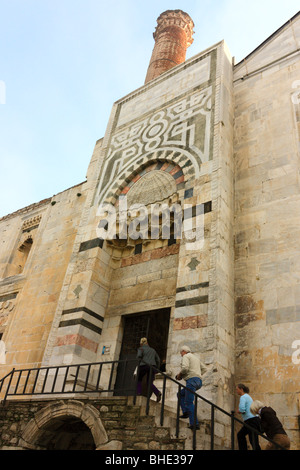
column 147, row 357
column 271, row 426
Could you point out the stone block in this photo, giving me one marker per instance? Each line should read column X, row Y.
column 159, row 289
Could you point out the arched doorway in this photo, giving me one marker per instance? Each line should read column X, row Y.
column 66, row 433
column 154, row 325
column 65, row 425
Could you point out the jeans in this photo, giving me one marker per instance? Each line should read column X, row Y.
column 253, row 437
column 187, row 398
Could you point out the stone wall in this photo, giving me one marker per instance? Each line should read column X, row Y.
column 106, row 424
column 31, row 295
column 267, row 225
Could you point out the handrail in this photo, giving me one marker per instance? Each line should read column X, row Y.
column 63, row 379
column 34, row 383
column 214, row 407
column 3, row 379
column 10, row 374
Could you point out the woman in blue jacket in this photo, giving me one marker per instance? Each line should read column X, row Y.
column 248, row 418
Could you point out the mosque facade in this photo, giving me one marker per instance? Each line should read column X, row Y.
column 186, row 229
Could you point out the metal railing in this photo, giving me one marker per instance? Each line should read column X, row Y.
column 213, row 408
column 100, row 377
column 67, row 379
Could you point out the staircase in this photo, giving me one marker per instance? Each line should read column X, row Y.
column 128, row 423
column 135, row 422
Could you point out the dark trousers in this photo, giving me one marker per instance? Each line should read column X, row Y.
column 145, row 370
column 253, row 437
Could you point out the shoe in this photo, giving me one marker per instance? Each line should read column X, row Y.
column 197, row 427
column 158, row 398
column 184, row 416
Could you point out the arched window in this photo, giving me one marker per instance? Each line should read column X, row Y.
column 20, row 257
column 22, row 254
column 17, row 260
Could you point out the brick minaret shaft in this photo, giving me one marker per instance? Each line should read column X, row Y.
column 173, row 35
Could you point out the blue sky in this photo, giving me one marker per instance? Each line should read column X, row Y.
column 64, row 63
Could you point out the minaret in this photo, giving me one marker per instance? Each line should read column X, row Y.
column 173, row 35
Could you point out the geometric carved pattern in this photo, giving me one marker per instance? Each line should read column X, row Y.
column 129, row 173
column 154, row 187
column 179, row 131
column 155, row 183
column 29, row 223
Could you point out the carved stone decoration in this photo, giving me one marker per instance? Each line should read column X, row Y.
column 32, row 222
column 153, row 187
column 179, row 133
column 146, row 196
column 7, row 305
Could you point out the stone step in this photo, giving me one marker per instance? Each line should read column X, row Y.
column 170, row 422
column 123, row 415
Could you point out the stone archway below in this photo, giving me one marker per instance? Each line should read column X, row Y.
column 65, row 425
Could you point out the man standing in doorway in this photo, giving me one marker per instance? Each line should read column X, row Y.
column 191, row 373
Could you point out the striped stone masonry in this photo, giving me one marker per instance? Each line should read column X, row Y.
column 82, row 316
column 79, row 327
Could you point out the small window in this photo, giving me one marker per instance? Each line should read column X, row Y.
column 20, row 257
column 23, row 253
